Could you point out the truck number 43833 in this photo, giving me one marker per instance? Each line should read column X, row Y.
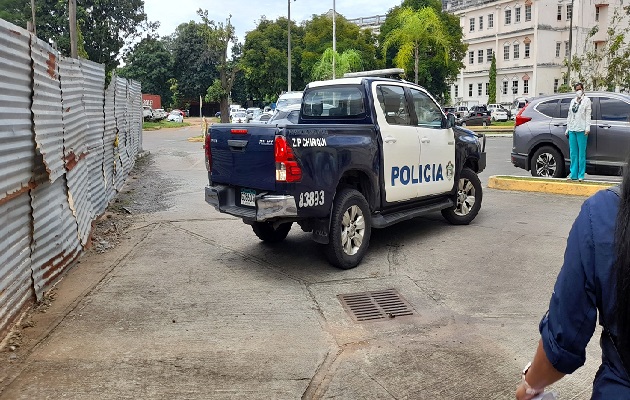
column 311, row 199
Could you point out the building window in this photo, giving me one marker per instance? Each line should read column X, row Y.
column 480, row 56
column 471, row 57
column 596, row 13
column 517, row 14
column 514, row 87
column 527, row 50
column 481, row 22
column 508, row 17
column 487, row 88
column 569, row 11
column 557, row 49
column 470, row 90
column 504, row 88
column 525, row 87
column 517, row 51
column 560, row 12
column 506, row 52
column 479, row 89
column 528, row 13
column 489, row 55
column 566, row 49
column 491, row 20
column 456, row 91
column 556, row 82
column 472, row 24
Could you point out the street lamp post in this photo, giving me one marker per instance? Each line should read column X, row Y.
column 570, row 44
column 289, row 46
column 334, row 39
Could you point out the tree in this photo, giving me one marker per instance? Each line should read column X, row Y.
column 318, row 37
column 218, row 37
column 194, row 67
column 348, row 61
column 605, row 66
column 152, row 65
column 435, row 72
column 264, row 59
column 492, row 86
column 418, row 33
column 106, row 25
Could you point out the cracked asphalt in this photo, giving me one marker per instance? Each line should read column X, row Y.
column 190, row 305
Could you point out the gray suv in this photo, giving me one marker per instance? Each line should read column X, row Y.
column 540, row 145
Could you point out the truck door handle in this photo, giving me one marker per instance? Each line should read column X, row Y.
column 389, row 139
column 560, row 124
column 425, row 140
column 606, row 126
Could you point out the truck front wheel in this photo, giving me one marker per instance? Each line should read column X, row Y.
column 468, row 201
column 267, row 233
column 350, row 229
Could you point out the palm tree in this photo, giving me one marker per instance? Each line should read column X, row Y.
column 417, row 30
column 348, row 61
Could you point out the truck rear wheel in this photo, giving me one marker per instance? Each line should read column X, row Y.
column 350, row 229
column 468, row 202
column 267, row 233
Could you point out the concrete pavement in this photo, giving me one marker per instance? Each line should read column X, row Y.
column 192, row 306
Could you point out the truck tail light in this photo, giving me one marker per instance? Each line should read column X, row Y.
column 287, row 167
column 520, row 120
column 208, row 151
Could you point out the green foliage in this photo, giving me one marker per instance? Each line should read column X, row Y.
column 264, row 59
column 348, row 61
column 152, row 65
column 564, row 89
column 318, row 38
column 215, row 92
column 176, row 101
column 606, row 67
column 436, row 71
column 492, row 86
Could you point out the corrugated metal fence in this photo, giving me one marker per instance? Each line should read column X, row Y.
column 67, row 144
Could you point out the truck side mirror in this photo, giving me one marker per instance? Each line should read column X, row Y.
column 449, row 121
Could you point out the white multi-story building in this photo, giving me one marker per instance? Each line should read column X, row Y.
column 530, row 40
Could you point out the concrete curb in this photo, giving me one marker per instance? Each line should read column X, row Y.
column 546, row 185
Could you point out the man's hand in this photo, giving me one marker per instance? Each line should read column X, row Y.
column 586, row 133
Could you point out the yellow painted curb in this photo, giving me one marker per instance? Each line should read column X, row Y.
column 545, row 185
column 195, row 139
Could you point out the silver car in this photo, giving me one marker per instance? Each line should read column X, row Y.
column 539, row 141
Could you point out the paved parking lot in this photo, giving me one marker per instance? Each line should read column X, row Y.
column 193, row 306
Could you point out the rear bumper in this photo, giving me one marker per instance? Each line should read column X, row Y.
column 519, row 160
column 268, row 206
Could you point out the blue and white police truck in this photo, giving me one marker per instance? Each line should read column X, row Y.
column 368, row 151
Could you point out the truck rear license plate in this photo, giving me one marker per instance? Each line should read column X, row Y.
column 248, row 197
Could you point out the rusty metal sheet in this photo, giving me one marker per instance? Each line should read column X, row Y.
column 74, row 116
column 15, row 262
column 94, row 102
column 120, row 154
column 47, row 117
column 55, row 234
column 108, row 140
column 16, row 135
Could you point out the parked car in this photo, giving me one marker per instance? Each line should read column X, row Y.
column 159, row 114
column 180, row 112
column 239, row 118
column 175, row 116
column 474, row 119
column 147, row 113
column 262, row 118
column 451, row 110
column 217, row 114
column 289, row 98
column 518, row 104
column 540, row 144
column 461, row 111
column 479, row 109
column 253, row 112
column 499, row 114
column 286, row 115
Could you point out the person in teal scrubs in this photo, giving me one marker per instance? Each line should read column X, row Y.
column 578, row 128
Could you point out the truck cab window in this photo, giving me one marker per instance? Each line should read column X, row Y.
column 428, row 113
column 393, row 104
column 334, row 101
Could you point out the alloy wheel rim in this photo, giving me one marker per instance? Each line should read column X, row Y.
column 546, row 165
column 352, row 230
column 465, row 197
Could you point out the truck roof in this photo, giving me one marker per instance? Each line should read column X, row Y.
column 354, row 81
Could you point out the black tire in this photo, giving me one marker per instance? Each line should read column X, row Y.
column 547, row 163
column 468, row 202
column 347, row 255
column 266, row 232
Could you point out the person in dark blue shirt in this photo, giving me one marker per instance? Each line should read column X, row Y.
column 595, row 277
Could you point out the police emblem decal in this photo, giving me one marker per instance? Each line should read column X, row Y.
column 450, row 170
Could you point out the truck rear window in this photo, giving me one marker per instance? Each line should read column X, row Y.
column 334, row 102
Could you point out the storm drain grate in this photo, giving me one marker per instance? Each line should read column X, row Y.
column 369, row 306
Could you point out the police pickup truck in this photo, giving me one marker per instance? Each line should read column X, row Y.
column 367, row 152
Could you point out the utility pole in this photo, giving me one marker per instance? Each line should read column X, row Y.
column 334, row 38
column 570, row 44
column 289, row 47
column 72, row 8
column 32, row 28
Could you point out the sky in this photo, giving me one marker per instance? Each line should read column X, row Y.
column 247, row 13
